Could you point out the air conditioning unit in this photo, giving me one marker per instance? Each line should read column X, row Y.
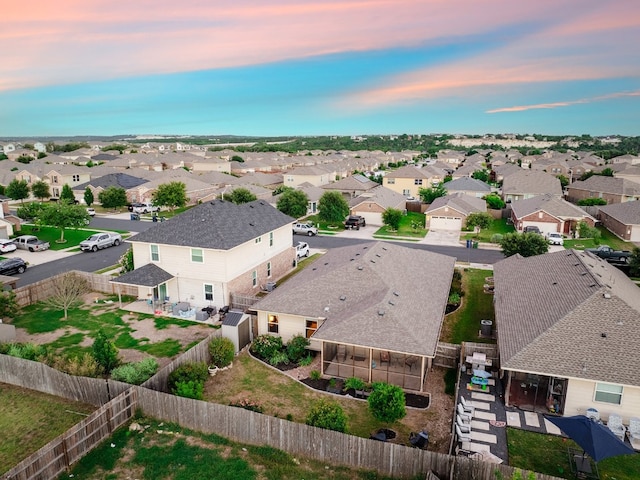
column 270, row 286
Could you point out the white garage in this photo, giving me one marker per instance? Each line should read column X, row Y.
column 445, row 223
column 372, row 218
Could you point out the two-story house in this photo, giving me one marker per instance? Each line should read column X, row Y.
column 210, row 252
column 62, row 175
column 409, row 180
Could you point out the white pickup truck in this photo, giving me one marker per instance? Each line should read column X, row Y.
column 101, row 240
column 31, row 243
column 145, row 208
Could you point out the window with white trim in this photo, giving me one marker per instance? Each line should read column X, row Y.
column 272, row 321
column 608, row 393
column 271, row 239
column 268, row 269
column 208, row 292
column 417, row 181
column 197, row 256
column 391, row 181
column 259, row 240
column 254, row 278
column 155, row 253
column 75, row 178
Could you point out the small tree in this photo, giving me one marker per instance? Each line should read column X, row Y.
column 479, row 219
column 585, row 202
column 526, row 244
column 297, row 348
column 281, row 189
column 88, row 196
column 387, row 402
column 172, row 195
column 29, row 211
column 222, row 351
column 237, row 158
column 17, row 190
column 241, row 195
column 126, row 261
column 564, row 181
column 68, row 291
column 494, row 202
column 113, row 197
column 67, row 194
column 328, row 415
column 481, row 175
column 293, row 203
column 428, row 195
column 607, row 172
column 8, row 304
column 105, row 352
column 392, row 217
column 332, row 207
column 63, row 215
column 40, row 190
column 585, row 231
column 634, row 262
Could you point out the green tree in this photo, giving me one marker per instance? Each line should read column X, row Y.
column 564, row 181
column 68, row 290
column 387, row 402
column 634, row 262
column 30, row 211
column 67, row 194
column 592, row 201
column 172, row 195
column 481, row 175
column 88, row 196
column 113, row 197
column 8, row 304
column 526, row 244
column 126, row 261
column 428, row 195
column 327, row 414
column 392, row 217
column 293, row 203
column 24, row 159
column 105, row 352
column 607, row 172
column 40, row 189
column 482, row 220
column 494, row 202
column 241, row 195
column 281, row 189
column 585, row 231
column 237, row 158
column 332, row 207
column 17, row 190
column 63, row 215
column 222, row 351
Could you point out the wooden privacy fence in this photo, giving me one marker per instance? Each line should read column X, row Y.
column 242, row 302
column 447, row 355
column 65, row 450
column 42, row 378
column 42, row 290
column 489, row 349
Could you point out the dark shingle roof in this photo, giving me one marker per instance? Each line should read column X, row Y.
column 467, row 184
column 627, row 213
column 149, row 275
column 113, row 180
column 232, row 319
column 219, row 225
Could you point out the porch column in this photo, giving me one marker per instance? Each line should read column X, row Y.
column 508, row 389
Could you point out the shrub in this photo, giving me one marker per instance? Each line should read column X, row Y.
column 222, row 351
column 105, row 352
column 354, row 383
column 266, row 346
column 279, row 358
column 591, row 202
column 190, row 389
column 496, row 238
column 306, row 361
column 135, row 373
column 387, row 402
column 454, row 299
column 187, row 372
column 27, row 351
column 83, row 365
column 329, row 415
column 315, row 375
column 8, row 304
column 297, row 348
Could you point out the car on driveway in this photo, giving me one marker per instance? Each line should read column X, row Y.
column 91, row 211
column 31, row 243
column 7, row 245
column 12, row 265
column 355, row 221
column 304, row 229
column 145, row 208
column 302, row 249
column 555, row 238
column 99, row 241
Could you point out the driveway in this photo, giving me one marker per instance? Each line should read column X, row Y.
column 364, row 232
column 442, row 237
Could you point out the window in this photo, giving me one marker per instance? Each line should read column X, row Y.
column 607, row 393
column 259, row 240
column 208, row 292
column 312, row 326
column 269, row 269
column 417, row 181
column 155, row 253
column 273, row 323
column 254, row 278
column 196, row 255
column 76, row 178
column 54, row 179
column 406, row 192
column 391, row 181
column 271, row 239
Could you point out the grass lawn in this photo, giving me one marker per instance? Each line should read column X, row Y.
column 72, row 236
column 607, row 238
column 548, row 454
column 168, row 451
column 498, row 226
column 324, row 226
column 406, row 229
column 29, row 420
column 464, row 324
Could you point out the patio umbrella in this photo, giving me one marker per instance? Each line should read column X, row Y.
column 481, row 373
column 594, row 438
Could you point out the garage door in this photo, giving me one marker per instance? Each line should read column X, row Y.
column 635, row 234
column 446, row 223
column 372, row 218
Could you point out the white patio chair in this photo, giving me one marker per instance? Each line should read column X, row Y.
column 470, row 409
column 593, row 414
column 462, row 437
column 634, row 432
column 465, row 427
column 615, row 425
column 462, row 413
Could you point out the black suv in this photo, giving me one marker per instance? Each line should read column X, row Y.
column 355, row 221
column 12, row 265
column 532, row 229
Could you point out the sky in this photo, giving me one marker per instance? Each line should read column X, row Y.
column 319, row 67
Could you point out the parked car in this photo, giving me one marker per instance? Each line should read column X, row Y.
column 355, row 221
column 145, row 208
column 611, row 255
column 12, row 265
column 555, row 238
column 532, row 229
column 302, row 249
column 91, row 211
column 101, row 240
column 31, row 243
column 7, row 245
column 304, row 229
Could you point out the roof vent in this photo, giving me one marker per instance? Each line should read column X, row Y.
column 359, row 267
column 396, row 294
column 378, row 255
column 314, row 268
column 384, row 248
column 554, row 283
column 250, row 206
column 343, row 297
column 603, row 335
column 593, row 285
column 606, row 295
column 364, row 248
column 326, row 263
column 352, row 259
column 391, row 302
column 583, row 273
column 357, row 254
column 261, row 202
column 619, row 322
column 252, row 224
column 381, row 313
column 372, row 261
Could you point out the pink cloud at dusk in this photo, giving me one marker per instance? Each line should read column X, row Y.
column 523, row 108
column 48, row 43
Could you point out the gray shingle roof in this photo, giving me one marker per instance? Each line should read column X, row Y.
column 232, row 319
column 627, row 213
column 600, row 183
column 555, row 206
column 149, row 275
column 552, row 309
column 113, row 180
column 219, row 225
column 531, row 182
column 467, row 184
column 461, row 202
column 351, row 286
column 380, row 195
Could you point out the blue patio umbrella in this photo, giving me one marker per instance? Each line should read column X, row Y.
column 595, row 439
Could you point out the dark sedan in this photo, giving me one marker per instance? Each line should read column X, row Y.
column 12, row 265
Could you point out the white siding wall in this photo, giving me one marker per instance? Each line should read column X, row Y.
column 247, row 256
column 581, row 393
column 288, row 327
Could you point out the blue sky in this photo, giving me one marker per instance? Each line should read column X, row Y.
column 253, row 67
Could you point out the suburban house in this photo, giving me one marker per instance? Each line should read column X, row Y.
column 372, row 204
column 549, row 214
column 316, row 176
column 612, row 189
column 409, row 180
column 529, row 183
column 622, row 219
column 451, row 211
column 62, row 175
column 211, row 252
column 9, row 224
column 567, row 327
column 351, row 186
column 98, row 185
column 312, row 192
column 468, row 186
column 360, row 308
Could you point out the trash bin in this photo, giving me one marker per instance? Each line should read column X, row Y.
column 154, row 219
column 468, row 243
column 475, row 244
column 135, row 216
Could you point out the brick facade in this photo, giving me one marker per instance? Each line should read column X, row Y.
column 281, row 265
